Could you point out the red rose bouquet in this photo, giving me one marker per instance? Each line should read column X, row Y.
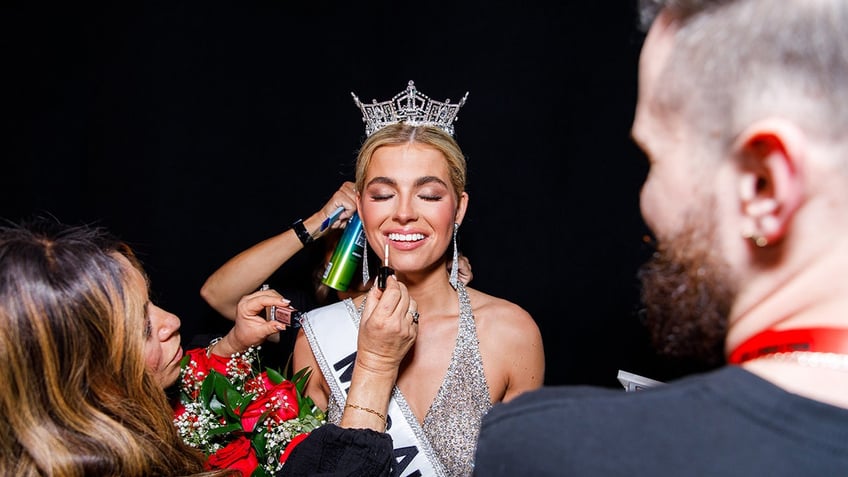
column 240, row 417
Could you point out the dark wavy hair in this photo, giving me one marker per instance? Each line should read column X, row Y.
column 78, row 399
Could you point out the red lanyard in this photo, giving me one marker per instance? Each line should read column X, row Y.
column 822, row 340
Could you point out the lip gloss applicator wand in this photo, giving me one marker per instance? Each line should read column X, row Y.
column 385, row 270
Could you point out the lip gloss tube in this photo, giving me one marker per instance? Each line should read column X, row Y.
column 270, row 312
column 385, row 270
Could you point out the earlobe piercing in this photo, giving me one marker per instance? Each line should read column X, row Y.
column 759, row 240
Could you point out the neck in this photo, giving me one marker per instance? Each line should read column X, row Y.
column 799, row 294
column 432, row 291
column 819, row 383
column 808, row 295
column 810, row 362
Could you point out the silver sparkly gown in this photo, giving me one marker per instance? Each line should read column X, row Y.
column 452, row 423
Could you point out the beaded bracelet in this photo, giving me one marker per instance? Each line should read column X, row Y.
column 368, row 410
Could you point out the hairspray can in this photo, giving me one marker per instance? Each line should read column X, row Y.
column 347, row 256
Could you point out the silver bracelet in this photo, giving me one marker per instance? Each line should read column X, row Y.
column 212, row 345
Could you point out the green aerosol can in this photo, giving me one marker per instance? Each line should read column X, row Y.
column 347, row 256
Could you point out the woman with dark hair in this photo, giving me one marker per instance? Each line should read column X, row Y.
column 86, row 357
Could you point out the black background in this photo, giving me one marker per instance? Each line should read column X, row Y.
column 196, row 129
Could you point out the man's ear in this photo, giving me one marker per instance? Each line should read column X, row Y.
column 771, row 185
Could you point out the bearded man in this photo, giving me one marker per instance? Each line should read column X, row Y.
column 743, row 114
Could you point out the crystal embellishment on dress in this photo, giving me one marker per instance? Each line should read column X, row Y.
column 412, row 107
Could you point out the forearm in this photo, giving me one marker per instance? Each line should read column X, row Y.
column 245, row 272
column 368, row 399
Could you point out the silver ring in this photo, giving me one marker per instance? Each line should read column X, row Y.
column 415, row 316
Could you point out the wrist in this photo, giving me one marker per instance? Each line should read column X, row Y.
column 225, row 346
column 375, row 373
column 307, row 230
column 212, row 345
column 301, row 232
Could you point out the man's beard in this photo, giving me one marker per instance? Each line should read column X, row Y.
column 687, row 292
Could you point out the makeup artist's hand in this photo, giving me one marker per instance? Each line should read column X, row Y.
column 344, row 197
column 251, row 327
column 387, row 329
column 464, row 272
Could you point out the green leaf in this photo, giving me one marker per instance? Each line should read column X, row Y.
column 259, row 442
column 300, row 379
column 207, row 389
column 246, row 400
column 274, row 375
column 232, row 397
column 225, row 429
column 307, row 407
column 223, row 387
column 303, row 374
column 289, row 362
column 260, row 472
column 310, row 423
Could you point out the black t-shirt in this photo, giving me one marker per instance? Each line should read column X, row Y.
column 727, row 422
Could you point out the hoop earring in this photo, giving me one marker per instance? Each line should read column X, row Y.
column 454, row 273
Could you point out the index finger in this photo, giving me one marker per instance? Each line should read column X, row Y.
column 387, row 302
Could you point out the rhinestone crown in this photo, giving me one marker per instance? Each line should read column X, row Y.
column 412, row 107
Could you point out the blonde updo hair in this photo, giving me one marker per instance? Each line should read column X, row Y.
column 402, row 133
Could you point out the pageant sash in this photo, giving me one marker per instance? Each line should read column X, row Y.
column 332, row 333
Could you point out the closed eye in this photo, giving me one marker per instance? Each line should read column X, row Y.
column 381, row 197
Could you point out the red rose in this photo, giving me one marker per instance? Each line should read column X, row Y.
column 179, row 409
column 258, row 384
column 204, row 363
column 238, row 454
column 291, row 445
column 280, row 400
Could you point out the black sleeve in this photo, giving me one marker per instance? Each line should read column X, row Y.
column 332, row 451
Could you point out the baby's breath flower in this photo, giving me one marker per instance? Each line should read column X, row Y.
column 212, row 415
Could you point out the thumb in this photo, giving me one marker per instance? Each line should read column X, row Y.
column 272, row 327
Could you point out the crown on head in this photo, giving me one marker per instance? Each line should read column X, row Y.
column 412, row 107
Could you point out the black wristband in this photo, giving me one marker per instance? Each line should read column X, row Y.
column 301, row 232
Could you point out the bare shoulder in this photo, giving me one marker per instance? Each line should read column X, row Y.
column 510, row 345
column 500, row 318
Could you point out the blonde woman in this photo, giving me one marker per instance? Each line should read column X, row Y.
column 471, row 350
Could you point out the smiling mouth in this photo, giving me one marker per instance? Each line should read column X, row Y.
column 406, row 237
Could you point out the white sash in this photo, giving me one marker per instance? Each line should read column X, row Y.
column 332, row 333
